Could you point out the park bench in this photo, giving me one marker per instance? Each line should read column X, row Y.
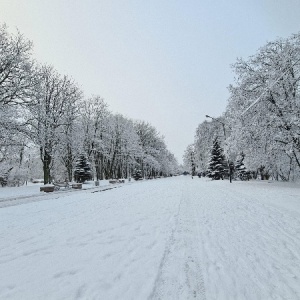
column 47, row 188
column 59, row 185
column 77, row 186
column 113, row 181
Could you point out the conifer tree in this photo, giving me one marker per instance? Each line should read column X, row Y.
column 137, row 174
column 82, row 169
column 217, row 164
column 240, row 168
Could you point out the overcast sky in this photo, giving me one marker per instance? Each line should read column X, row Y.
column 163, row 61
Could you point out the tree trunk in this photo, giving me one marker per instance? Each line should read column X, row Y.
column 68, row 163
column 46, row 168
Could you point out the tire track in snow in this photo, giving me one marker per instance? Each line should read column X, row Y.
column 180, row 272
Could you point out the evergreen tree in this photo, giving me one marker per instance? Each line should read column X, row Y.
column 82, row 169
column 137, row 174
column 240, row 168
column 217, row 164
column 4, row 177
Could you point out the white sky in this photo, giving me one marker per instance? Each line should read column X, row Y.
column 165, row 62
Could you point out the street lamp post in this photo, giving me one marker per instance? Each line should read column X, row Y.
column 207, row 116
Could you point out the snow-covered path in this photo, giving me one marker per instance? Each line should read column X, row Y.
column 174, row 238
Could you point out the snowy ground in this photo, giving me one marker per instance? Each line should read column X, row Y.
column 30, row 193
column 173, row 238
column 33, row 189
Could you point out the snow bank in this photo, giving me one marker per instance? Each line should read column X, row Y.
column 174, row 238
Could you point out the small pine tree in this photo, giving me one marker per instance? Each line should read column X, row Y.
column 4, row 177
column 82, row 169
column 240, row 168
column 217, row 164
column 137, row 174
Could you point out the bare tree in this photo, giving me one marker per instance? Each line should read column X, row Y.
column 94, row 114
column 264, row 107
column 53, row 100
column 17, row 74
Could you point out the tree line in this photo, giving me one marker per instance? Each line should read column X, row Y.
column 46, row 123
column 261, row 123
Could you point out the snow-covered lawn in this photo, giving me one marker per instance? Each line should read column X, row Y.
column 30, row 193
column 33, row 189
column 174, row 238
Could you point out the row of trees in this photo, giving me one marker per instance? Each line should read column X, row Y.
column 46, row 124
column 262, row 118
